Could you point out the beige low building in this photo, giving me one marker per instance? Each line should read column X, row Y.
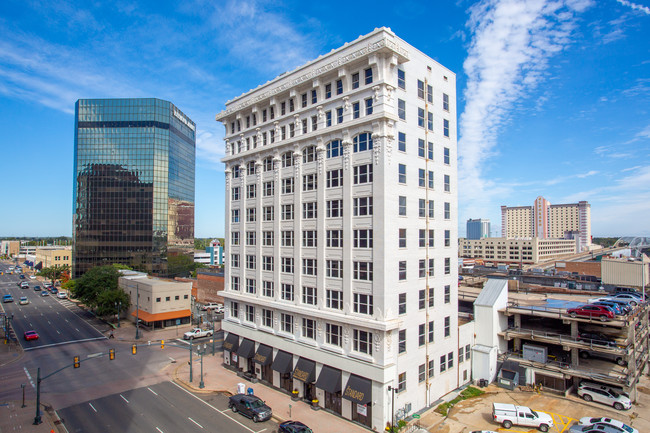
column 625, row 271
column 525, row 251
column 162, row 302
column 9, row 248
column 53, row 256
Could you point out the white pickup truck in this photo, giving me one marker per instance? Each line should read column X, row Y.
column 217, row 308
column 508, row 415
column 197, row 333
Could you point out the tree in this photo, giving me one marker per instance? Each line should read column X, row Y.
column 95, row 281
column 108, row 300
column 197, row 266
column 55, row 273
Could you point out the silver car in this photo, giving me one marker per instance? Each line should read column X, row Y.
column 604, row 394
column 595, row 428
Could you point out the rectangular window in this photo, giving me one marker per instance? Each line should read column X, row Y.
column 314, row 123
column 251, row 286
column 362, row 206
column 422, row 372
column 362, row 174
column 235, row 215
column 422, row 236
column 333, row 334
column 234, row 283
column 362, row 271
column 309, row 182
column 287, row 212
column 234, row 238
column 269, row 188
column 402, row 270
column 420, row 89
column 447, row 238
column 283, row 106
column 267, row 289
column 447, row 210
column 339, row 87
column 402, row 205
column 368, row 75
column 421, row 150
column 401, row 79
column 401, row 109
column 309, row 238
column 234, row 309
column 401, row 303
column 287, row 265
column 422, row 177
column 268, row 213
column 468, row 352
column 362, row 341
column 251, row 214
column 335, row 299
column 401, row 382
column 355, row 80
column 432, row 367
column 292, row 130
column 291, row 106
column 287, row 185
column 363, row 303
column 401, row 142
column 251, row 262
column 401, row 178
column 368, row 106
column 461, row 353
column 268, row 238
column 402, row 238
column 445, row 102
column 251, row 238
column 309, row 267
column 362, row 238
column 430, row 150
column 450, row 360
column 355, row 110
column 431, row 330
column 287, row 238
column 421, row 117
column 314, row 97
column 250, row 313
column 446, row 156
column 445, row 127
column 422, row 337
column 308, row 328
column 304, row 126
column 328, row 118
column 339, row 115
column 309, row 210
column 235, row 193
column 267, row 263
column 267, row 318
column 401, row 343
column 447, row 294
column 447, row 266
column 334, row 178
column 429, row 94
column 283, row 132
column 334, row 149
column 431, row 208
column 334, row 269
column 251, row 190
column 328, row 90
column 309, row 295
column 334, row 208
column 443, row 363
column 430, row 121
column 447, row 326
column 287, row 292
column 286, row 323
column 334, row 238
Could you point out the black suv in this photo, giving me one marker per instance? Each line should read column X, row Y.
column 250, row 406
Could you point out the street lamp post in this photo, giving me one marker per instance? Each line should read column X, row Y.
column 118, row 306
column 392, row 408
column 201, row 352
column 37, row 418
column 191, row 340
column 213, row 332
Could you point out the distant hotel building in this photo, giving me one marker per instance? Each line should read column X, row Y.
column 341, row 225
column 134, row 185
column 549, row 221
column 478, row 228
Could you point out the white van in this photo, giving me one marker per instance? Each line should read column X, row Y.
column 508, row 415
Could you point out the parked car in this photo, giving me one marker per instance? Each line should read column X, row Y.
column 37, row 288
column 596, row 338
column 293, row 427
column 592, row 311
column 62, row 295
column 613, row 357
column 54, row 290
column 7, row 298
column 618, row 309
column 30, row 335
column 45, row 293
column 23, row 300
column 508, row 415
column 632, row 298
column 250, row 406
column 623, row 304
column 607, row 421
column 603, row 394
column 32, row 277
column 594, row 428
column 625, row 290
column 218, row 308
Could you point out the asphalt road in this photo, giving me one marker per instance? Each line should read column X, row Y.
column 165, row 407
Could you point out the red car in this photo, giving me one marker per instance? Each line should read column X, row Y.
column 603, row 312
column 31, row 335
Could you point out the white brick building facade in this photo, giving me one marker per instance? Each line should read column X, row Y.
column 341, row 188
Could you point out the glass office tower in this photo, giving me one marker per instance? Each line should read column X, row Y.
column 134, row 186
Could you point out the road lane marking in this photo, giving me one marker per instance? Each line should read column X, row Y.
column 260, row 431
column 159, row 430
column 194, row 422
column 91, row 405
column 124, row 398
column 29, row 377
column 63, row 342
column 154, row 392
column 77, row 329
column 95, row 355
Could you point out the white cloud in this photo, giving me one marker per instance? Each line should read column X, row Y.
column 511, row 43
column 636, row 7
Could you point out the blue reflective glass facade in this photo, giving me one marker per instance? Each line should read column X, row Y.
column 134, row 185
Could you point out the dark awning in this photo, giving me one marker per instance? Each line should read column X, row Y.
column 264, row 355
column 329, row 379
column 246, row 348
column 283, row 362
column 305, row 370
column 358, row 390
column 231, row 343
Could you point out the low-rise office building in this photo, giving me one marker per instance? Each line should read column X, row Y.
column 47, row 257
column 157, row 303
column 516, row 251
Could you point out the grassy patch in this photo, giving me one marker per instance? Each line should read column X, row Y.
column 468, row 392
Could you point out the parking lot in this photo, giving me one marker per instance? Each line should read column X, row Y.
column 476, row 413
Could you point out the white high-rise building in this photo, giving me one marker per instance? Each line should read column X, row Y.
column 341, row 227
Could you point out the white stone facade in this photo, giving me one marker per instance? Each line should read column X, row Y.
column 329, row 198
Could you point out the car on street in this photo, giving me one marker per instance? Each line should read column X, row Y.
column 22, row 276
column 23, row 300
column 37, row 288
column 250, row 406
column 62, row 295
column 607, row 421
column 54, row 290
column 597, row 338
column 592, row 311
column 30, row 335
column 603, row 394
column 197, row 333
column 32, row 277
column 293, row 427
column 7, row 298
column 24, row 285
column 44, row 293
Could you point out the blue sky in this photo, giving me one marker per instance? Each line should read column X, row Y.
column 553, row 96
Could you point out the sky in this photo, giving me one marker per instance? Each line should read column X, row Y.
column 553, row 96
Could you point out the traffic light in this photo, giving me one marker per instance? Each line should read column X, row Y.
column 77, row 363
column 162, row 344
column 111, row 354
column 134, row 349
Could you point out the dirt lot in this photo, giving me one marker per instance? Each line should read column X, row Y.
column 476, row 413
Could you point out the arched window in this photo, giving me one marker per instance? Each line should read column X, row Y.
column 362, row 142
column 309, row 154
column 334, row 149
